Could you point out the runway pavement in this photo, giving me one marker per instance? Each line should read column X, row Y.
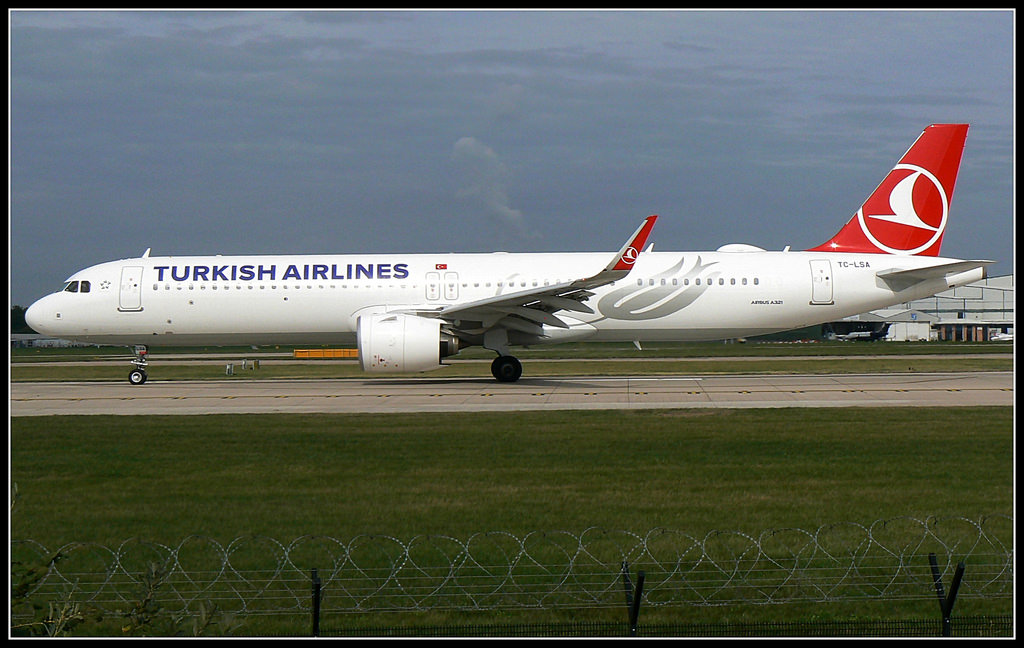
column 420, row 394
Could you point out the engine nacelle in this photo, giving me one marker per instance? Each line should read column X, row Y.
column 394, row 343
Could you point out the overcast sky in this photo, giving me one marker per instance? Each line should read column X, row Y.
column 343, row 132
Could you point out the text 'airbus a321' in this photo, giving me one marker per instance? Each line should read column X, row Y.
column 408, row 312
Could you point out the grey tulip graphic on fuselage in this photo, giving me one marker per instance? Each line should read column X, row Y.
column 662, row 294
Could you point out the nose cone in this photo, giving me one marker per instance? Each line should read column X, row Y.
column 36, row 316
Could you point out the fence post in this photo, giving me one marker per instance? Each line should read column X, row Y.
column 946, row 603
column 627, row 585
column 633, row 596
column 316, row 603
column 634, row 611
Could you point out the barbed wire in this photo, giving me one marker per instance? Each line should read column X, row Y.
column 887, row 559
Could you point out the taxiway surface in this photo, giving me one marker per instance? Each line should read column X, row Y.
column 233, row 396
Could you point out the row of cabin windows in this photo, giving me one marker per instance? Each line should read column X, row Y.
column 499, row 284
column 215, row 286
column 156, row 286
column 697, row 282
column 743, row 281
column 77, row 286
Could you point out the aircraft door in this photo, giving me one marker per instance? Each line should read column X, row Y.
column 821, row 281
column 131, row 289
column 433, row 284
column 451, row 286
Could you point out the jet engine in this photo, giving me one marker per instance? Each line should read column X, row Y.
column 393, row 343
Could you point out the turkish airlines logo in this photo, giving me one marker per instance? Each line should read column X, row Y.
column 907, row 214
column 629, row 256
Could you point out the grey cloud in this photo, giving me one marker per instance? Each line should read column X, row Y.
column 485, row 178
column 273, row 132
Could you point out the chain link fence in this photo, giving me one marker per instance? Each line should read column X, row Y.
column 252, row 575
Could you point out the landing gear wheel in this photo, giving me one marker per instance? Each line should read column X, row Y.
column 137, row 376
column 506, row 369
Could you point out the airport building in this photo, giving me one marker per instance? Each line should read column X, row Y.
column 973, row 313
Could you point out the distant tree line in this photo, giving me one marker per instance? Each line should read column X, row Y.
column 18, row 324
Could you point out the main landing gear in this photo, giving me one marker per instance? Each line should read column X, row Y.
column 137, row 376
column 506, row 368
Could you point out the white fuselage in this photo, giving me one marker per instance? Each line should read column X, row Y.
column 316, row 299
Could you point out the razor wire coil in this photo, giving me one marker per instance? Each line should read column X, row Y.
column 887, row 559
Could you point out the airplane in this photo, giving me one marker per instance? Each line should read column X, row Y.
column 408, row 312
column 861, row 331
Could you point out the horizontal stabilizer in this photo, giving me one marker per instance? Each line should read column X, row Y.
column 931, row 272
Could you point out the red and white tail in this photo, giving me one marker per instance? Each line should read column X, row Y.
column 908, row 212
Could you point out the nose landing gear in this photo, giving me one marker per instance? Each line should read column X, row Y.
column 137, row 376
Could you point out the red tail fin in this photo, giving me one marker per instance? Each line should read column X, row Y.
column 908, row 212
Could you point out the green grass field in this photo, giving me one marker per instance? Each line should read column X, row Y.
column 108, row 478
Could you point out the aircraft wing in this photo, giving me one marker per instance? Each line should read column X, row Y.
column 529, row 310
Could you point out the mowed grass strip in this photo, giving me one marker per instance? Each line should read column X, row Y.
column 531, row 368
column 569, row 350
column 106, row 479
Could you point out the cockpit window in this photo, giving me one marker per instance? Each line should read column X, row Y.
column 77, row 286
